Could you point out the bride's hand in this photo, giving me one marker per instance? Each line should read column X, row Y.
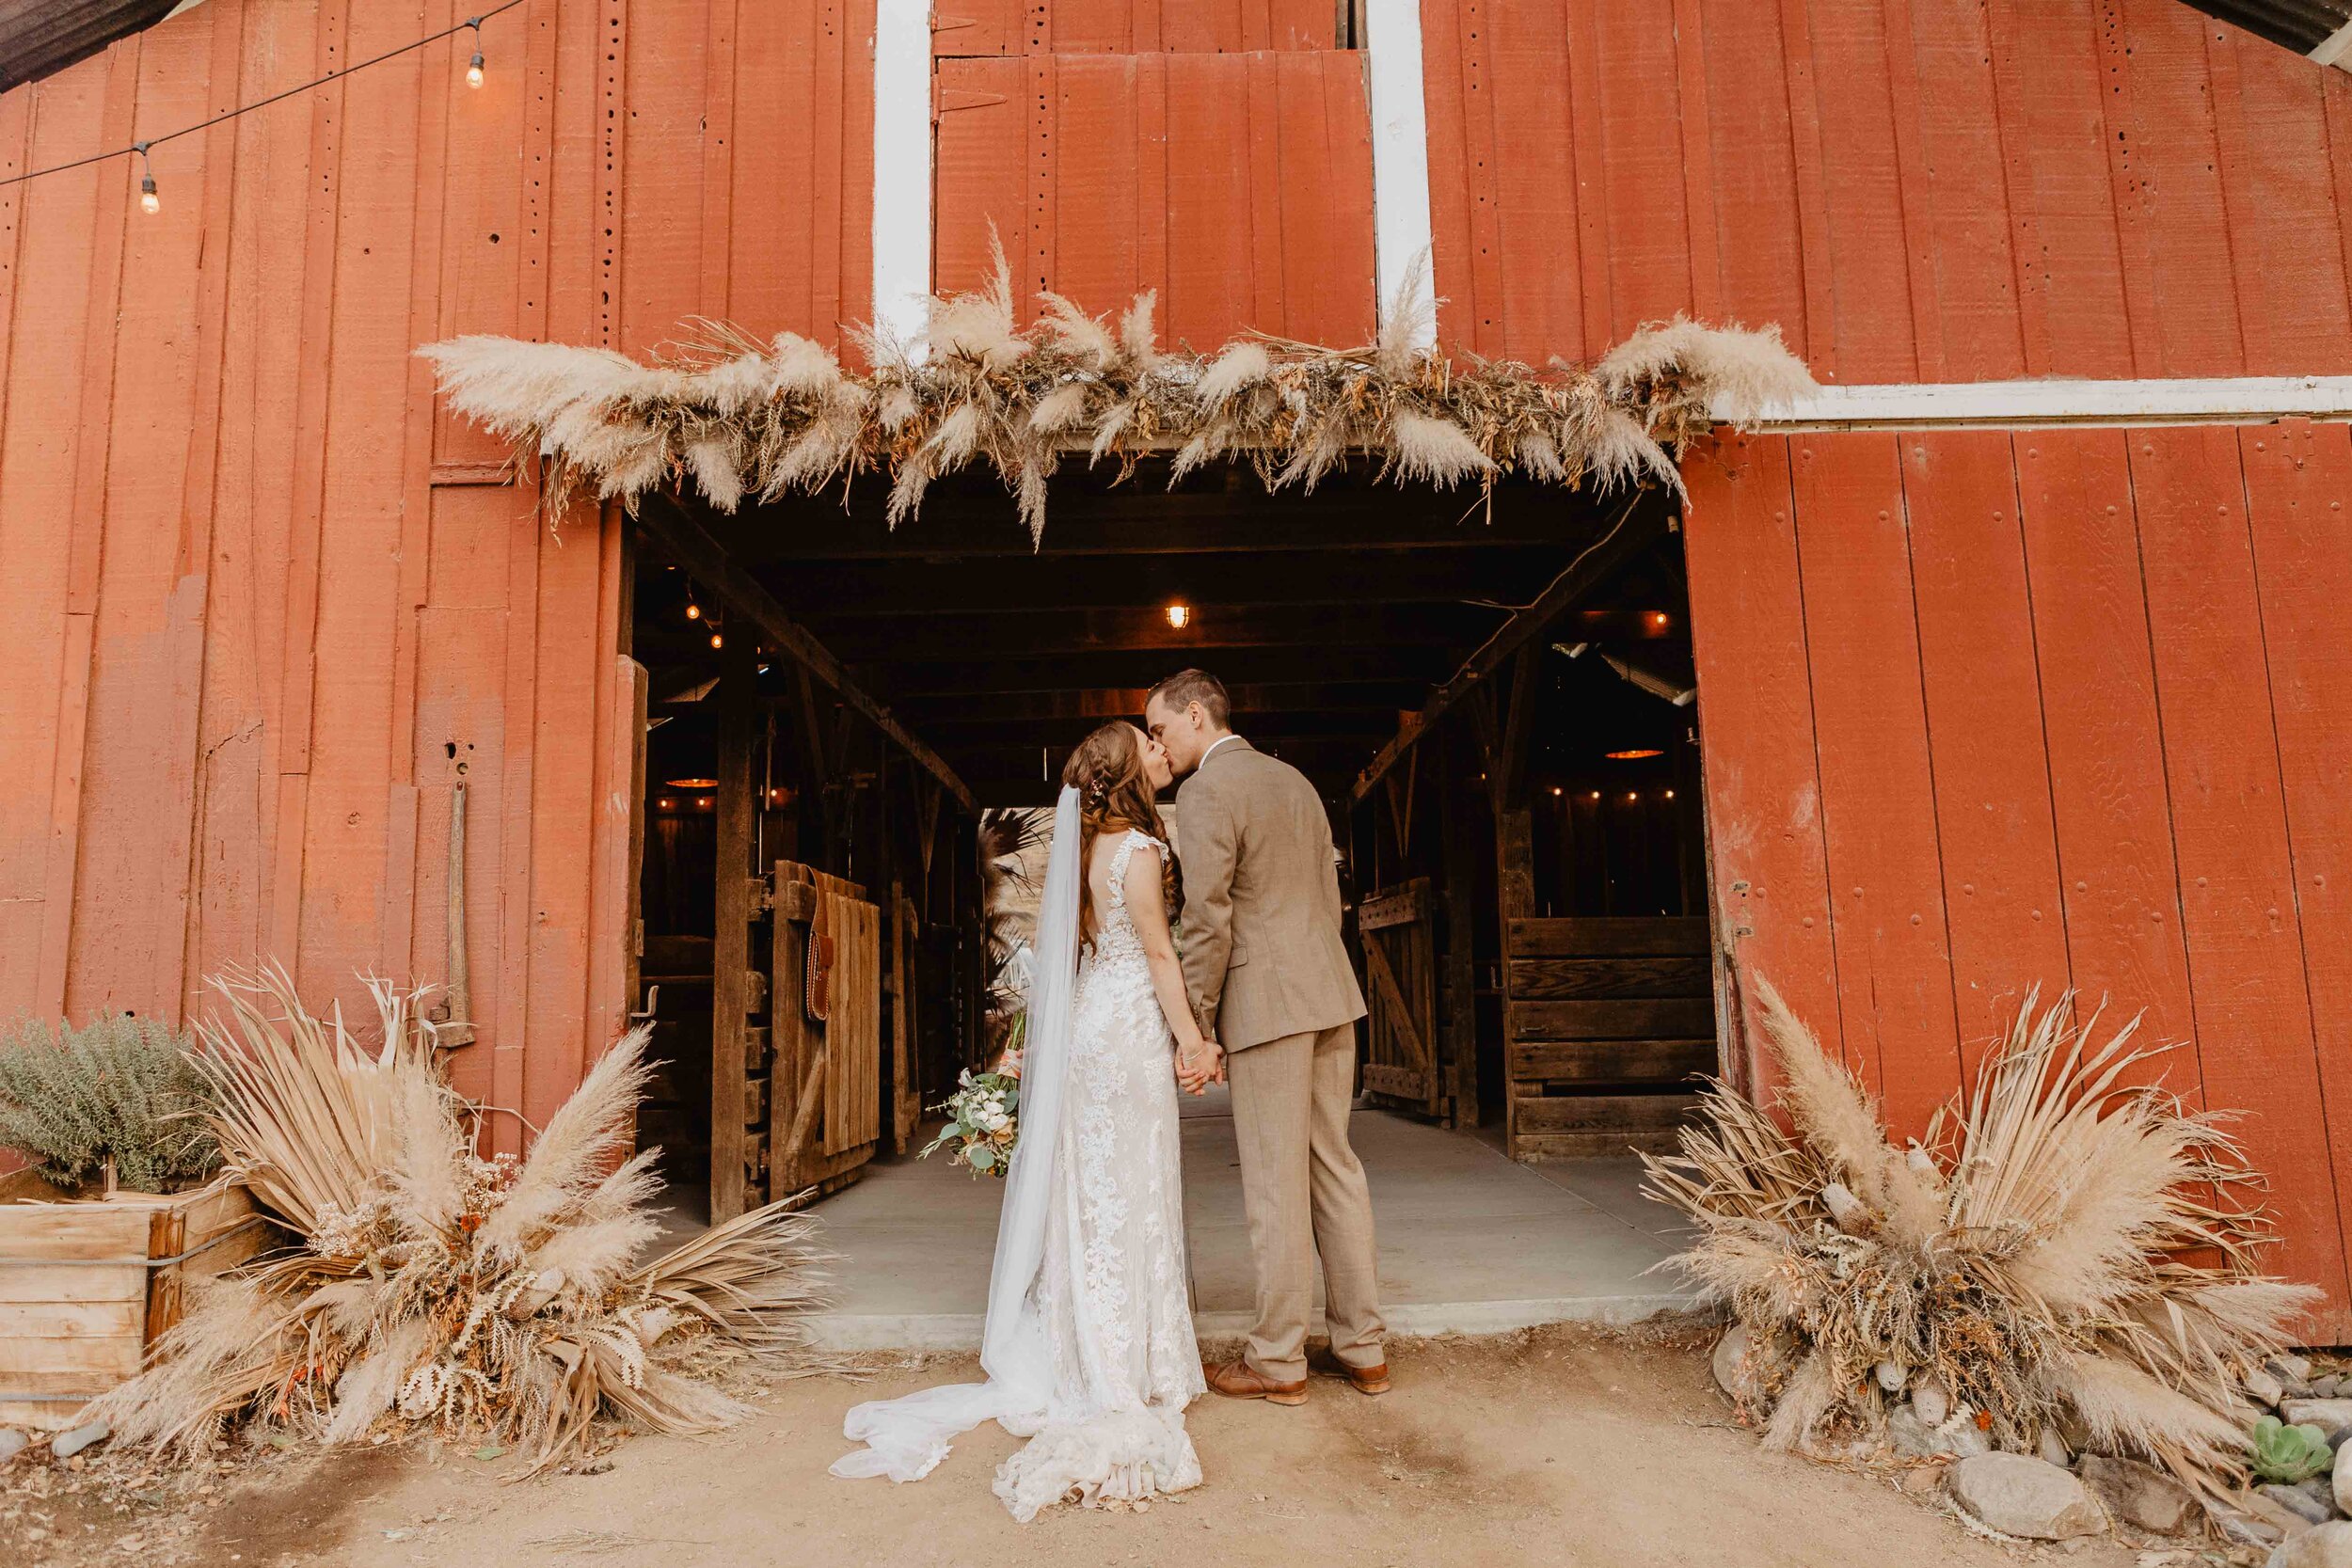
column 1197, row 1069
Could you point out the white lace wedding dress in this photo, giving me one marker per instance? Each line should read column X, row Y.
column 1089, row 1348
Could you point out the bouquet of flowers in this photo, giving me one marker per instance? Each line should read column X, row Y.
column 983, row 1115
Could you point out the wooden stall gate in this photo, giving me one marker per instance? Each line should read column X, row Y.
column 1397, row 927
column 825, row 1115
column 1606, row 1022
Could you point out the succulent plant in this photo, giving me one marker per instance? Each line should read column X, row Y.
column 2287, row 1454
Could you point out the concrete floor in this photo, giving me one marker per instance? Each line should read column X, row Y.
column 1470, row 1242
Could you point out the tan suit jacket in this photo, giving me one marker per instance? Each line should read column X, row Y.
column 1263, row 952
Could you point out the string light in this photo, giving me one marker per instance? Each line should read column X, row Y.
column 149, row 199
column 716, row 641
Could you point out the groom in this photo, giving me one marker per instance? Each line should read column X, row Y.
column 1270, row 980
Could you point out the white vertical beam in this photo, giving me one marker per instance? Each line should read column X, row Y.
column 902, row 167
column 1400, row 151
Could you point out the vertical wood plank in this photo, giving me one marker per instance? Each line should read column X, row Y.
column 2246, row 959
column 85, row 533
column 1759, row 251
column 1985, row 727
column 1877, row 789
column 2107, row 757
column 2298, row 496
column 1749, row 641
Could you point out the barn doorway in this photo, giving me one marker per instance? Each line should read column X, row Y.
column 1493, row 691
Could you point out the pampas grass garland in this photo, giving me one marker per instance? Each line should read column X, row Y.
column 745, row 420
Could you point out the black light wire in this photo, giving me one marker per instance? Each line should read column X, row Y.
column 141, row 146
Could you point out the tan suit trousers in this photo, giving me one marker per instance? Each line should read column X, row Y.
column 1305, row 1193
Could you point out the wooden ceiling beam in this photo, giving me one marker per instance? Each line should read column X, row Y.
column 1097, row 704
column 972, row 517
column 1211, row 630
column 686, row 541
column 981, row 676
column 1019, row 585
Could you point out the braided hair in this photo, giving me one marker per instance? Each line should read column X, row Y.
column 1115, row 795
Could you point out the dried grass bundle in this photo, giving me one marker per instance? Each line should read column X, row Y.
column 2080, row 1251
column 435, row 1288
column 742, row 419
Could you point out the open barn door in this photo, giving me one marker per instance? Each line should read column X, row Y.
column 1401, row 993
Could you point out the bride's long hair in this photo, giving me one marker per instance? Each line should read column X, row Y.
column 1114, row 795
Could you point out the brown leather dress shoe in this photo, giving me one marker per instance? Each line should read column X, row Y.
column 1364, row 1380
column 1239, row 1380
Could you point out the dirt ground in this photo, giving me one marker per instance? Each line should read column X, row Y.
column 1557, row 1447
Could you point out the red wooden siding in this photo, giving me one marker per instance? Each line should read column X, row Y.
column 1990, row 710
column 1130, row 26
column 267, row 611
column 1923, row 190
column 1239, row 187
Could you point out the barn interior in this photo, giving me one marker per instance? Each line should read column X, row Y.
column 1492, row 689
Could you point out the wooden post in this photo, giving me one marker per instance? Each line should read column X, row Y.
column 1515, row 871
column 1458, row 981
column 731, row 947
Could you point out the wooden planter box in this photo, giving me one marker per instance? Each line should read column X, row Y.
column 86, row 1286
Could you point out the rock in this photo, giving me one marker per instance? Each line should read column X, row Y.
column 2139, row 1494
column 1891, row 1376
column 1955, row 1437
column 2327, row 1387
column 1923, row 1478
column 2024, row 1497
column 2321, row 1490
column 1737, row 1368
column 12, row 1443
column 2321, row 1547
column 67, row 1444
column 2245, row 1529
column 1930, row 1402
column 2051, row 1449
column 2284, row 1518
column 2332, row 1416
column 2297, row 1367
column 2264, row 1388
column 2341, row 1481
column 2317, row 1510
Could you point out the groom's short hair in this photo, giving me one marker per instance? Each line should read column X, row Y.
column 1186, row 687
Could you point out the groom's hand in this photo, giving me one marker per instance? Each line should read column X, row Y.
column 1197, row 1068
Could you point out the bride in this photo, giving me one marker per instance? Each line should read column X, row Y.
column 1089, row 1347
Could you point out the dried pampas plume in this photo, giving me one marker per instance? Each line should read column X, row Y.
column 2079, row 1250
column 433, row 1288
column 739, row 419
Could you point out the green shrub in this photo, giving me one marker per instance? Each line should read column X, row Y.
column 120, row 1088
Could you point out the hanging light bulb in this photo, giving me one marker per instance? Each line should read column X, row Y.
column 694, row 610
column 716, row 641
column 148, row 200
column 473, row 69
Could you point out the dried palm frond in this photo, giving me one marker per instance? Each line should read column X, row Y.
column 306, row 1115
column 435, row 1288
column 739, row 419
column 2081, row 1249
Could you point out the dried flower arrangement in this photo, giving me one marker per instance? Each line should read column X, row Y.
column 433, row 1288
column 761, row 421
column 2076, row 1252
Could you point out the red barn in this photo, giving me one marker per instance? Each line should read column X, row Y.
column 2018, row 649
